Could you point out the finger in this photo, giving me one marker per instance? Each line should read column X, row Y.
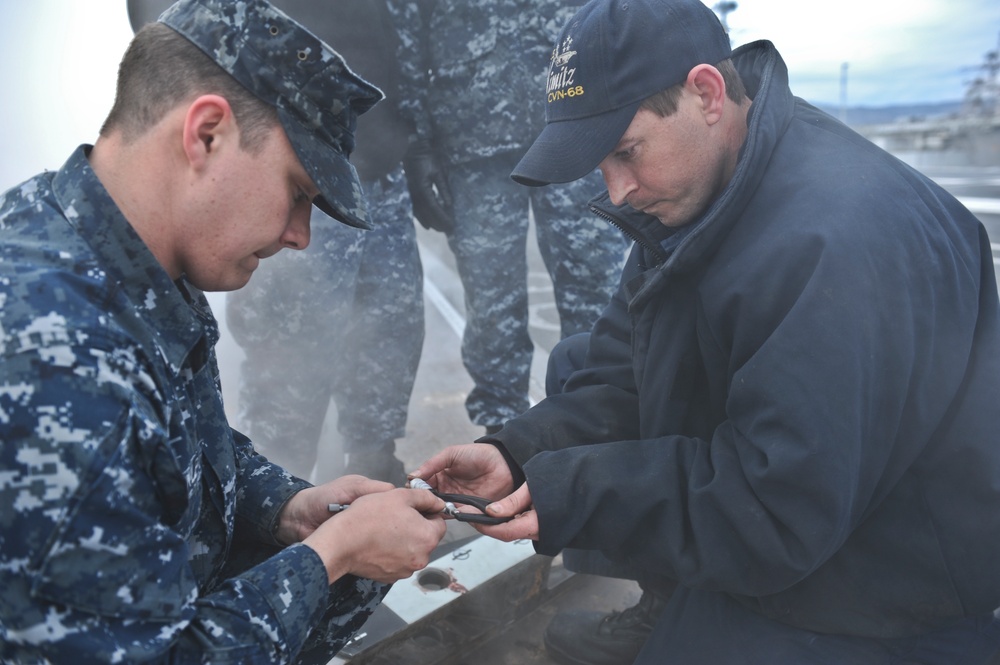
column 439, row 524
column 444, row 194
column 424, row 501
column 358, row 486
column 522, row 527
column 440, row 219
column 422, row 210
column 433, row 466
column 421, row 216
column 512, row 504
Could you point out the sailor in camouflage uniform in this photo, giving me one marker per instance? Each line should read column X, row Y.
column 470, row 75
column 344, row 318
column 138, row 525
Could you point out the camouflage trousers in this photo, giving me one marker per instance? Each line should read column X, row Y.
column 582, row 253
column 342, row 319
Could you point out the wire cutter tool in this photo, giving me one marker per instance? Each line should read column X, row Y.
column 466, row 500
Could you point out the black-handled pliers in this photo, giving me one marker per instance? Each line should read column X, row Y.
column 466, row 500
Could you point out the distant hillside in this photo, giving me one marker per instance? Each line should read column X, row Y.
column 877, row 115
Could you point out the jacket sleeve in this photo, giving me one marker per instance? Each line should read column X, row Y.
column 97, row 557
column 410, row 20
column 263, row 488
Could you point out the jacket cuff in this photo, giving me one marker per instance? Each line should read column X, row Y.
column 295, row 586
column 263, row 499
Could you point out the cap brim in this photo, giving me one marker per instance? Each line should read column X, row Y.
column 340, row 193
column 568, row 150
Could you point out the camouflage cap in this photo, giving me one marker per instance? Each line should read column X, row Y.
column 317, row 96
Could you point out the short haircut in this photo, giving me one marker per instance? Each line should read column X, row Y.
column 664, row 103
column 161, row 69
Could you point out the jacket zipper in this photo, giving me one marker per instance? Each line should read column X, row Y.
column 631, row 233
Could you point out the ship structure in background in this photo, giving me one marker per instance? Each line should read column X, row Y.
column 970, row 136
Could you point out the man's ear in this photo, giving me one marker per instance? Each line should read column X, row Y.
column 208, row 122
column 706, row 82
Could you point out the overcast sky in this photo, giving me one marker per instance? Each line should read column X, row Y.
column 897, row 51
column 60, row 58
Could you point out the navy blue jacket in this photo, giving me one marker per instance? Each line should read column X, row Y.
column 798, row 405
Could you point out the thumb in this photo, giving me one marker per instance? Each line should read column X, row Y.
column 512, row 504
column 424, row 501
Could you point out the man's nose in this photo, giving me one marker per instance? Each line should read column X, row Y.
column 296, row 235
column 619, row 184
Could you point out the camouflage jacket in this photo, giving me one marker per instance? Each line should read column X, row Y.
column 473, row 73
column 122, row 484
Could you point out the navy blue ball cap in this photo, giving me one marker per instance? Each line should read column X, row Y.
column 317, row 97
column 612, row 55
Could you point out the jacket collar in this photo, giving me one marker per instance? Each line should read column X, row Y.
column 176, row 315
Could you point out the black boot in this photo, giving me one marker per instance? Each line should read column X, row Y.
column 594, row 638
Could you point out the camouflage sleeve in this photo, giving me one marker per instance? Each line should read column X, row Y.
column 95, row 542
column 409, row 17
column 263, row 489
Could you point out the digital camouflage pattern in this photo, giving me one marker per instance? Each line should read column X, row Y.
column 473, row 83
column 133, row 512
column 342, row 319
column 474, row 72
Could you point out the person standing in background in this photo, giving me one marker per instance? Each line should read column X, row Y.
column 343, row 319
column 469, row 71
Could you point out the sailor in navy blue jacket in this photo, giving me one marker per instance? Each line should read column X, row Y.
column 789, row 407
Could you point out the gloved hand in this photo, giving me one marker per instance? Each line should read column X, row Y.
column 428, row 185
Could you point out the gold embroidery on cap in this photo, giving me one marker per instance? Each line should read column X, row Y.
column 561, row 84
